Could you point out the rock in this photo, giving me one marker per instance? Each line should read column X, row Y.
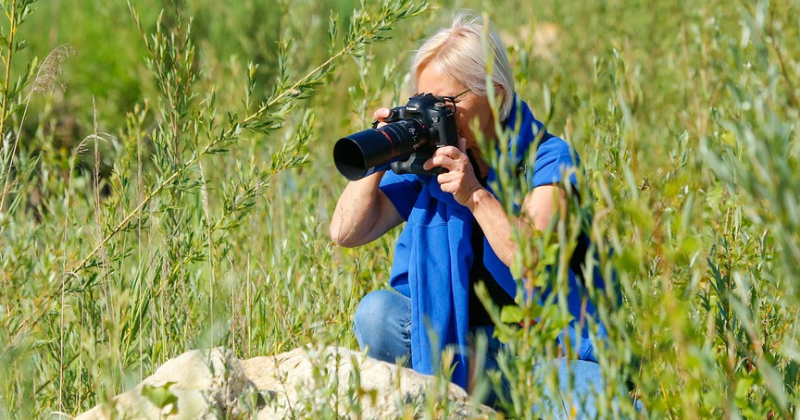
column 203, row 384
column 303, row 383
column 542, row 42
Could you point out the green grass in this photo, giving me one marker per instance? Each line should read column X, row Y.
column 116, row 255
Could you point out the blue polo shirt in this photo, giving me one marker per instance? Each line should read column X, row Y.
column 554, row 159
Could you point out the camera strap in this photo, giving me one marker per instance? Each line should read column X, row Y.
column 475, row 168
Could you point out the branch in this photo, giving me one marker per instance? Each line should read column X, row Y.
column 365, row 36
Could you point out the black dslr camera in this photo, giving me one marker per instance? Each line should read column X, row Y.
column 410, row 138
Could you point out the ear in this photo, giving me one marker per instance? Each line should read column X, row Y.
column 501, row 92
column 502, row 95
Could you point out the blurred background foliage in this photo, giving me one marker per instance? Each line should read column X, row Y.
column 684, row 113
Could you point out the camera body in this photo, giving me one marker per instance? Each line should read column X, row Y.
column 439, row 130
column 411, row 136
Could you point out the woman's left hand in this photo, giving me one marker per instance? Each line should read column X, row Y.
column 460, row 180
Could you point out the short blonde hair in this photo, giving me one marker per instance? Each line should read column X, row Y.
column 458, row 52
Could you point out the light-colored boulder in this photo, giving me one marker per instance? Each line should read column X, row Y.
column 542, row 41
column 205, row 384
column 303, row 383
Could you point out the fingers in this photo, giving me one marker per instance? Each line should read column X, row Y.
column 459, row 183
column 448, row 177
column 452, row 153
column 440, row 161
column 450, row 158
column 460, row 179
column 380, row 115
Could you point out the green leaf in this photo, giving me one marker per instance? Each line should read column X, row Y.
column 511, row 314
column 21, row 45
column 161, row 396
column 690, row 245
column 728, row 138
column 774, row 383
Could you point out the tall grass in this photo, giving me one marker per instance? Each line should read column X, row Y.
column 188, row 208
column 142, row 265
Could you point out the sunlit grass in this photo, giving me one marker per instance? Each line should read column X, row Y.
column 201, row 219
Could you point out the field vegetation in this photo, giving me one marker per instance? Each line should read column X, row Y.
column 166, row 184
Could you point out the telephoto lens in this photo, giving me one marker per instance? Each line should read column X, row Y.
column 362, row 154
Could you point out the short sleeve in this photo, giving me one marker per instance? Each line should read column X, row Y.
column 402, row 191
column 554, row 158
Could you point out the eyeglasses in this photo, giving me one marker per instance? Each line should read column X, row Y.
column 452, row 99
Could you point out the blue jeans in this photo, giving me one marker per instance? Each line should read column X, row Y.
column 382, row 326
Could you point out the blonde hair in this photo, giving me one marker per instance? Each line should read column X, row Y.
column 458, row 52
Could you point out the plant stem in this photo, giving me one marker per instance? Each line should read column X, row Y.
column 9, row 54
column 349, row 47
column 210, row 145
column 4, row 107
column 230, row 133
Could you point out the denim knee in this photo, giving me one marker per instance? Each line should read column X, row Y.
column 382, row 325
column 579, row 382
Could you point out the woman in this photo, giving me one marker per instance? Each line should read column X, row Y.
column 456, row 232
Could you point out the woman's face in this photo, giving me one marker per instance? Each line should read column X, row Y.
column 469, row 106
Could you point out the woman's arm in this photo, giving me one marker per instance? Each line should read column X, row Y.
column 363, row 213
column 537, row 208
column 537, row 211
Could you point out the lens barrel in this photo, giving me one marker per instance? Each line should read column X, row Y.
column 363, row 153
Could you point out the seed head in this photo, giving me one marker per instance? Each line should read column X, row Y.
column 47, row 76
